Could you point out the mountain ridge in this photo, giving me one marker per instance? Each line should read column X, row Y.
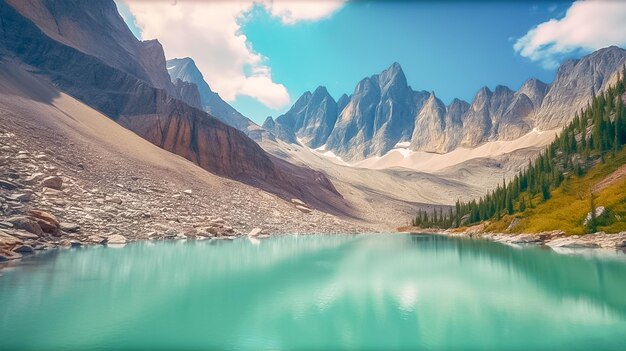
column 384, row 110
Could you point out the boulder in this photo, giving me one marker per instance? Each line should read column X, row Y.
column 304, row 209
column 298, row 202
column 6, row 184
column 69, row 227
column 514, row 223
column 115, row 200
column 23, row 249
column 116, row 239
column 22, row 234
column 53, row 182
column 7, row 240
column 254, row 232
column 601, row 213
column 47, row 221
column 34, row 178
column 6, row 225
column 26, row 223
column 96, row 239
column 465, row 220
column 22, row 197
column 6, row 255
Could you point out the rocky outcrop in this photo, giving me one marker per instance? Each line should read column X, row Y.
column 385, row 111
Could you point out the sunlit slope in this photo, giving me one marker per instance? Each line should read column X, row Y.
column 570, row 203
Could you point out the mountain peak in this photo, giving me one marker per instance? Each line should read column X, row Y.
column 269, row 123
column 393, row 77
column 321, row 90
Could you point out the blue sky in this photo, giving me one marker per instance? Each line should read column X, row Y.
column 452, row 48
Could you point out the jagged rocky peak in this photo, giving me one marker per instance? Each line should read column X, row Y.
column 311, row 118
column 269, row 123
column 481, row 99
column 342, row 102
column 384, row 110
column 185, row 69
column 393, row 78
column 576, row 82
column 535, row 90
column 458, row 107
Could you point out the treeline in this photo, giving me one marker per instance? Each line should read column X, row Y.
column 594, row 132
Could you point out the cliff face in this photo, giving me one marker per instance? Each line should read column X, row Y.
column 126, row 92
column 384, row 111
column 188, row 93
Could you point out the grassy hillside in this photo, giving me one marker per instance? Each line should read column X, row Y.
column 569, row 204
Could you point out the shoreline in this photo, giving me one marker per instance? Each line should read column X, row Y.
column 555, row 239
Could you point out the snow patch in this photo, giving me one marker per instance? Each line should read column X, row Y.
column 432, row 162
column 402, row 144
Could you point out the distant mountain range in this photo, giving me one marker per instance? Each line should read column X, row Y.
column 384, row 112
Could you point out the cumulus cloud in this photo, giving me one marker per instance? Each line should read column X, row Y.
column 291, row 12
column 586, row 26
column 210, row 32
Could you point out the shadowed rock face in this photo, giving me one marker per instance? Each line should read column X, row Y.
column 384, row 110
column 188, row 93
column 152, row 112
column 97, row 29
column 186, row 70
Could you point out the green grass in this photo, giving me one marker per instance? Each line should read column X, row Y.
column 569, row 204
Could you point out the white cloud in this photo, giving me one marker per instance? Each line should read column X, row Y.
column 210, row 33
column 587, row 26
column 294, row 11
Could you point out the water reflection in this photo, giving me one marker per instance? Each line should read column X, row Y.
column 369, row 291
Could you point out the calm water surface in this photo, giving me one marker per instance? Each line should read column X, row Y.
column 314, row 292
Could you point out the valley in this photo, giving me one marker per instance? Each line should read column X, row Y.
column 368, row 161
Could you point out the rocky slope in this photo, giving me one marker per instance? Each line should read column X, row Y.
column 118, row 88
column 384, row 112
column 70, row 176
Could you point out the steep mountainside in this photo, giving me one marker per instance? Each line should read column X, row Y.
column 311, row 118
column 96, row 28
column 384, row 112
column 186, row 70
column 133, row 100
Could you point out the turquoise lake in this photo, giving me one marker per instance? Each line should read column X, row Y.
column 314, row 292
